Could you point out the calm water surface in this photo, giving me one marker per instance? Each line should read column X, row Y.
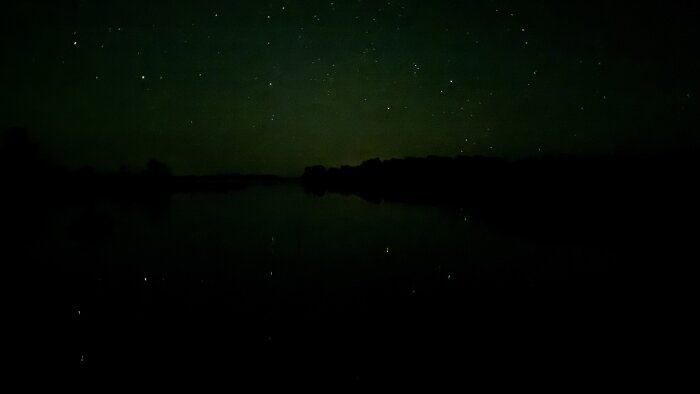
column 266, row 274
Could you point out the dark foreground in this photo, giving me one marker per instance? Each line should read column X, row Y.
column 266, row 283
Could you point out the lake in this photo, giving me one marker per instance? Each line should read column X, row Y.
column 270, row 280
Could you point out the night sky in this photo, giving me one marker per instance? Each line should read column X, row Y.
column 273, row 86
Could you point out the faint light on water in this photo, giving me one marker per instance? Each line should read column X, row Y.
column 449, row 277
column 145, row 279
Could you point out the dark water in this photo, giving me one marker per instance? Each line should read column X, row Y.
column 269, row 281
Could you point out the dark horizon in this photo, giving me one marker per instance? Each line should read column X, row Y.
column 27, row 152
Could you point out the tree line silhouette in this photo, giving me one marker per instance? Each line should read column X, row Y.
column 612, row 196
column 444, row 179
column 25, row 169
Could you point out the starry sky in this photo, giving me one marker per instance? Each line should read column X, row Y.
column 273, row 86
